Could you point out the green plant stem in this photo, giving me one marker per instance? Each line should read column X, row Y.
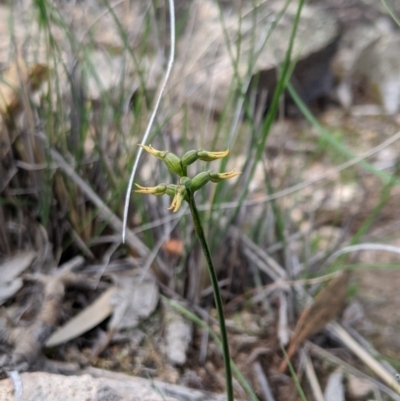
column 198, row 227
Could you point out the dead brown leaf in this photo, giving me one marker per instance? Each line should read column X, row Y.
column 327, row 305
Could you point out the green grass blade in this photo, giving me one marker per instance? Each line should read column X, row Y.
column 390, row 12
column 294, row 376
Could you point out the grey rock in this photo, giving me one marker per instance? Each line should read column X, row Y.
column 103, row 386
column 379, row 66
column 177, row 336
column 368, row 61
column 334, row 390
column 209, row 49
column 359, row 388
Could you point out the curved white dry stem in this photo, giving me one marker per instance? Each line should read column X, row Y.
column 361, row 247
column 153, row 115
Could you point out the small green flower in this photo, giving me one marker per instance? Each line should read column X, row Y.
column 172, row 161
column 180, row 195
column 189, row 157
column 217, row 177
column 185, row 181
column 193, row 155
column 202, row 178
column 210, row 156
column 159, row 190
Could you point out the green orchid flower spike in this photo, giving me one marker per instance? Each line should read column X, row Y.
column 178, row 166
column 184, row 191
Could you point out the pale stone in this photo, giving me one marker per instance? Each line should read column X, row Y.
column 359, row 388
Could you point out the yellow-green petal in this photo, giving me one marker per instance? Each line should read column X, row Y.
column 172, row 161
column 177, row 201
column 217, row 177
column 160, row 154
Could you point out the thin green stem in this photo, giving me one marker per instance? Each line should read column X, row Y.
column 198, row 227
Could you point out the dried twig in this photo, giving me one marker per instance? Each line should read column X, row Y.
column 283, row 329
column 262, row 379
column 312, row 377
column 339, row 332
column 322, row 353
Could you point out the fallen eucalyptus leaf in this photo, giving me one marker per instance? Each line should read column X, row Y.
column 10, row 269
column 84, row 321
